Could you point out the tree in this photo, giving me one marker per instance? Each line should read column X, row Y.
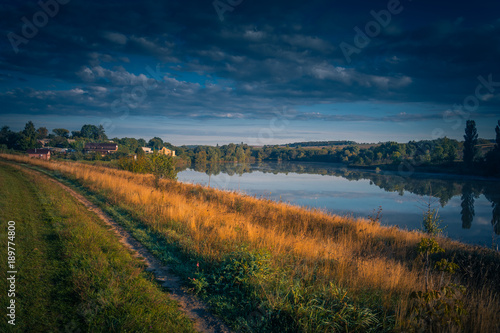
column 5, row 134
column 213, row 154
column 93, row 132
column 396, row 157
column 240, row 154
column 470, row 141
column 62, row 132
column 497, row 140
column 101, row 135
column 41, row 133
column 493, row 156
column 78, row 144
column 437, row 155
column 161, row 166
column 28, row 137
column 59, row 141
column 432, row 223
column 11, row 139
column 449, row 149
column 140, row 152
column 200, row 157
column 451, row 152
column 155, row 143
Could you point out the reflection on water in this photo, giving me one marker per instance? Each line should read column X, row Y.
column 469, row 207
column 495, row 221
column 467, row 211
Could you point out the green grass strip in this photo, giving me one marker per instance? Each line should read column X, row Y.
column 73, row 274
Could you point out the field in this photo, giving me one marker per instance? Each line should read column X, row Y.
column 73, row 275
column 267, row 266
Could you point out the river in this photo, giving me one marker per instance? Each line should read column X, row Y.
column 469, row 208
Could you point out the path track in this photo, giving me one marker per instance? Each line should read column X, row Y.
column 189, row 304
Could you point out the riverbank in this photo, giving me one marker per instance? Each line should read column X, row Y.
column 409, row 170
column 266, row 265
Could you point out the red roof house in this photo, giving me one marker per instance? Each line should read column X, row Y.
column 41, row 153
column 103, row 148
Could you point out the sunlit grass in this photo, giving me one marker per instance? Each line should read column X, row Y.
column 377, row 265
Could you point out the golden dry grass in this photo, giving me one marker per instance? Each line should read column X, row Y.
column 355, row 253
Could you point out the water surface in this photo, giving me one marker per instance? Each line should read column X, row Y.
column 469, row 208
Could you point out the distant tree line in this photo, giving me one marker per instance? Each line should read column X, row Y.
column 473, row 155
column 444, row 153
column 31, row 137
column 440, row 151
column 321, row 143
column 226, row 153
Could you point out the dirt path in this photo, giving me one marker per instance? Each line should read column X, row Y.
column 189, row 304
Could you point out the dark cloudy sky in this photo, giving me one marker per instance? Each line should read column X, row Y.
column 255, row 71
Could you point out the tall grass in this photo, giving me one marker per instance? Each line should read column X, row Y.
column 316, row 265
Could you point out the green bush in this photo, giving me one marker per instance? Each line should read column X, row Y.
column 161, row 166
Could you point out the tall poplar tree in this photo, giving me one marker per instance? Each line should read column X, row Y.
column 470, row 141
column 497, row 130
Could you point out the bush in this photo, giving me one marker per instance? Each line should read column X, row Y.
column 161, row 166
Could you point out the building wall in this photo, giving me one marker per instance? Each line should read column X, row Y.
column 40, row 156
column 166, row 151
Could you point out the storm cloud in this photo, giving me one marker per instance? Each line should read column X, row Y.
column 241, row 59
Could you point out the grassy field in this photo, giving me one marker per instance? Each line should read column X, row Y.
column 267, row 266
column 73, row 274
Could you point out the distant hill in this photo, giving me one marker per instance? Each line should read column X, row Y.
column 322, row 143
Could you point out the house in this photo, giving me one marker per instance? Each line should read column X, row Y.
column 103, row 148
column 44, row 142
column 40, row 153
column 147, row 150
column 166, row 151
